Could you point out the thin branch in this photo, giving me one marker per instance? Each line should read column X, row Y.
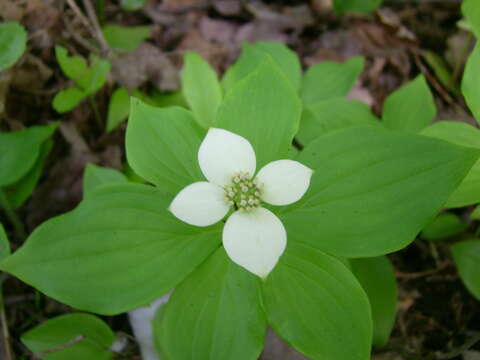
column 6, row 336
column 96, row 25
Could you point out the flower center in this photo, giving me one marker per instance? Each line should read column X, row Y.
column 244, row 193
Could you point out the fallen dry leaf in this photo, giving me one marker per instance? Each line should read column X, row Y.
column 147, row 63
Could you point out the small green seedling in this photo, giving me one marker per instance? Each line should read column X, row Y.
column 126, row 38
column 76, row 336
column 13, row 41
column 87, row 80
column 132, row 5
column 356, row 6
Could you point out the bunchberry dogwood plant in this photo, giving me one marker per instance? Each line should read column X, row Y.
column 293, row 218
column 253, row 236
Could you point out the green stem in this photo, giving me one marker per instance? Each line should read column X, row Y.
column 101, row 11
column 12, row 215
column 96, row 113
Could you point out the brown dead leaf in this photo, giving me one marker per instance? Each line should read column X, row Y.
column 31, row 73
column 337, row 45
column 147, row 63
column 272, row 24
column 218, row 31
column 12, row 10
column 391, row 19
column 321, row 6
column 183, row 5
column 228, row 7
column 43, row 23
column 213, row 52
column 457, row 48
column 276, row 349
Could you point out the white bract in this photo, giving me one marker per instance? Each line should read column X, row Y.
column 253, row 236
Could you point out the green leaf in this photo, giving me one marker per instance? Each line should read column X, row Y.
column 268, row 119
column 126, row 37
column 163, row 99
column 73, row 337
column 255, row 54
column 162, row 145
column 315, row 303
column 444, row 226
column 468, row 192
column 4, row 245
column 377, row 277
column 410, row 108
column 66, row 100
column 118, row 108
column 466, row 255
column 74, row 67
column 330, row 79
column 201, row 89
column 471, row 82
column 95, row 176
column 96, row 77
column 19, row 150
column 13, row 41
column 119, row 249
column 356, row 6
column 215, row 314
column 333, row 114
column 132, row 5
column 471, row 10
column 373, row 190
column 19, row 192
column 89, row 80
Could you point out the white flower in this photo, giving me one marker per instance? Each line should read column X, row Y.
column 253, row 236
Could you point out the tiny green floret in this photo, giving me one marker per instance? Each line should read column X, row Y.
column 244, row 193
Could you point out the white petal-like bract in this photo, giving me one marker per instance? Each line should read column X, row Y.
column 222, row 154
column 255, row 240
column 200, row 204
column 284, row 181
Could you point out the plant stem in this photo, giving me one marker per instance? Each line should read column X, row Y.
column 12, row 215
column 98, row 118
column 101, row 11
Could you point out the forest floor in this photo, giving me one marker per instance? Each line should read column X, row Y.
column 437, row 318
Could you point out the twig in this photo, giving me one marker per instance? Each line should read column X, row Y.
column 90, row 23
column 416, row 275
column 6, row 336
column 79, row 13
column 454, row 353
column 12, row 215
column 96, row 25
